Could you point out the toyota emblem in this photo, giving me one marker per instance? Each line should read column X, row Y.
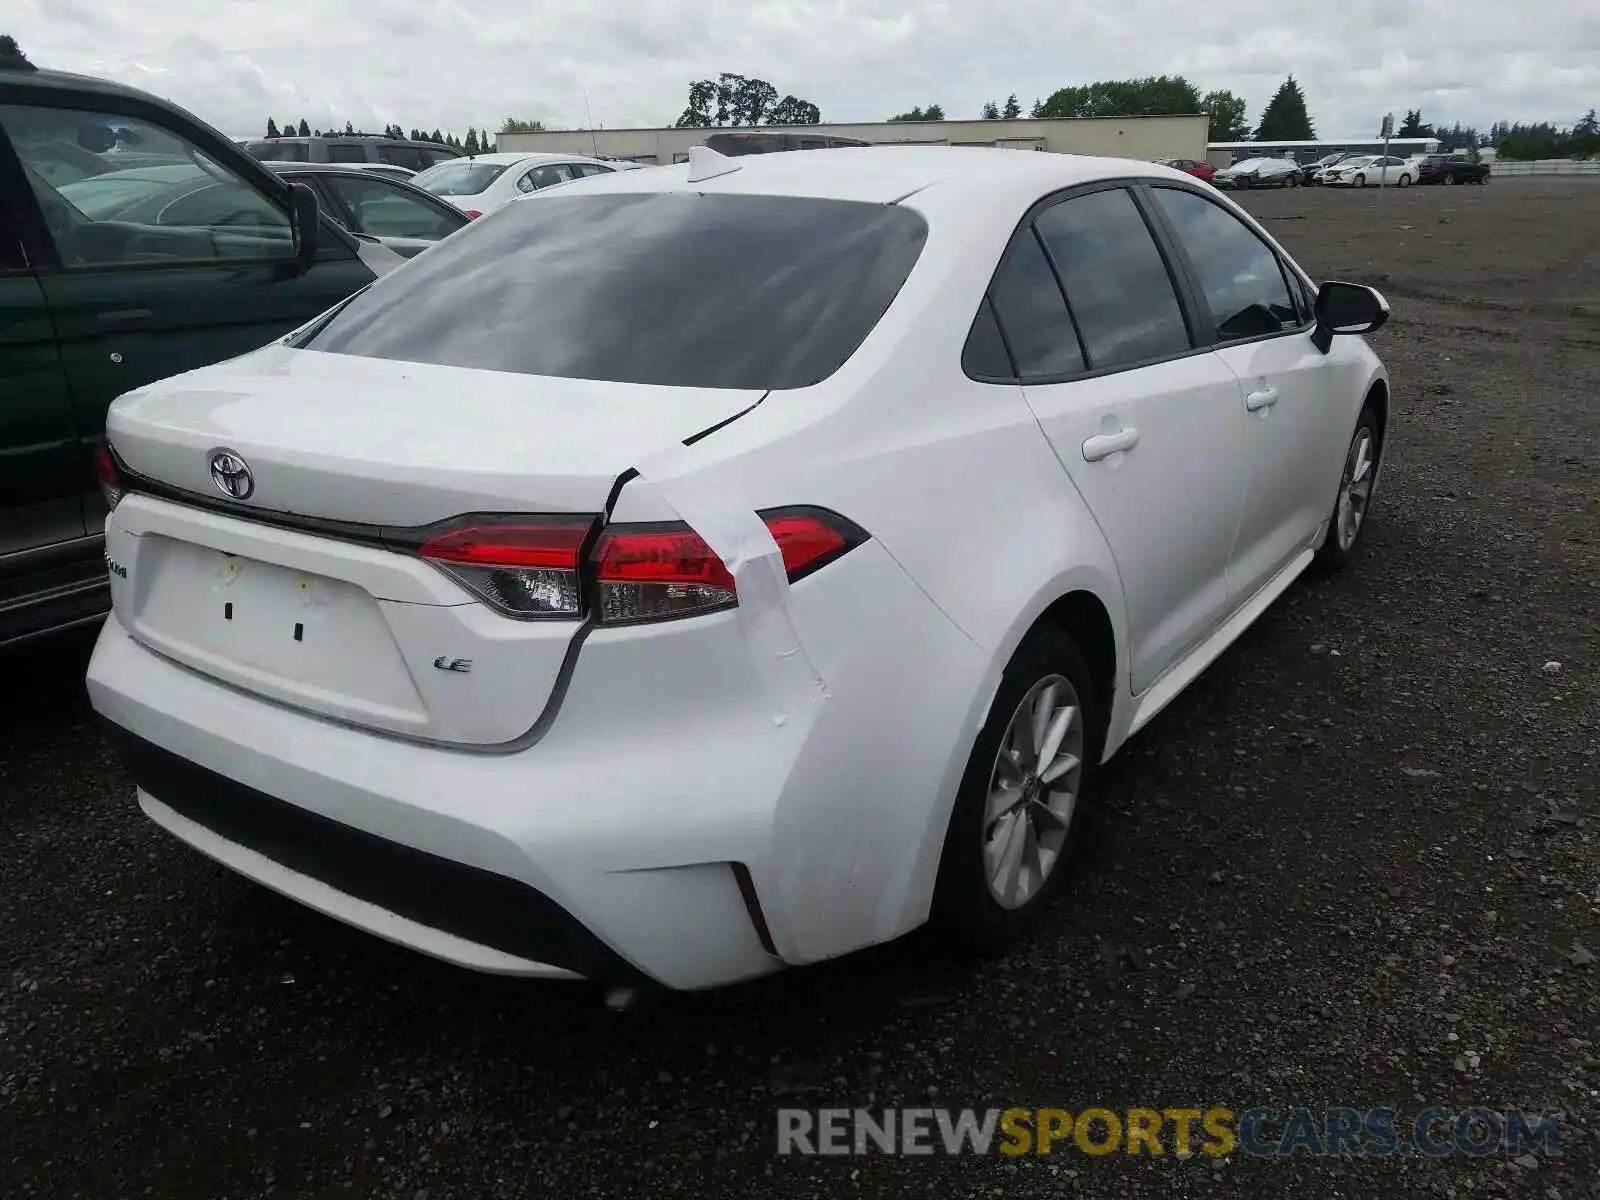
column 232, row 475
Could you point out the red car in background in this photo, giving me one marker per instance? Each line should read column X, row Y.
column 1199, row 170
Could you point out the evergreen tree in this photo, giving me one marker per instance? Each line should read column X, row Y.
column 11, row 54
column 1285, row 118
column 305, row 129
column 1012, row 110
column 991, row 111
column 272, row 128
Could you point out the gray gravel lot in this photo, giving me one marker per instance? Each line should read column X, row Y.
column 1356, row 864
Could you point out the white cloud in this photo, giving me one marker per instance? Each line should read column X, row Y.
column 450, row 64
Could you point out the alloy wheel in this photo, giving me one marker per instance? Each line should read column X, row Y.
column 1355, row 488
column 1033, row 791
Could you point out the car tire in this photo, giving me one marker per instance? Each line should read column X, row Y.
column 1343, row 539
column 1451, row 180
column 1359, row 181
column 1403, row 181
column 1000, row 868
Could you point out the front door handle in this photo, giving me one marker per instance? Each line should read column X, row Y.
column 124, row 319
column 1104, row 445
column 1261, row 398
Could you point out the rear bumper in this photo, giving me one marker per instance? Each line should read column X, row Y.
column 667, row 825
column 458, row 912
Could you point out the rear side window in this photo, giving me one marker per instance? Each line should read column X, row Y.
column 1126, row 307
column 1239, row 275
column 1033, row 316
column 668, row 288
column 276, row 151
column 346, row 152
column 401, row 156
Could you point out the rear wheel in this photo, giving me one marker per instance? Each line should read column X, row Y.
column 1404, row 181
column 1451, row 179
column 1016, row 823
column 1351, row 505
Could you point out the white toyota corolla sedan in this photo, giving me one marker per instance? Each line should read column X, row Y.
column 695, row 572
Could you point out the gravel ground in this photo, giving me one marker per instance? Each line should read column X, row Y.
column 1356, row 864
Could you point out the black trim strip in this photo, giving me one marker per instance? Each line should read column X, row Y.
column 481, row 906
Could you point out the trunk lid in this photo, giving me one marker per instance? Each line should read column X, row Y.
column 361, row 632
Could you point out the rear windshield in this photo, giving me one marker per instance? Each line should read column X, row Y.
column 459, row 178
column 731, row 144
column 669, row 288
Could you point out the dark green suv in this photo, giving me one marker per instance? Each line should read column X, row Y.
column 93, row 305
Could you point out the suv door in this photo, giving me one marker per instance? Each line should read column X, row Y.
column 1294, row 398
column 158, row 270
column 1148, row 428
column 50, row 571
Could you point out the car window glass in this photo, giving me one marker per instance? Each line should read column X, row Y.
column 1240, row 276
column 1033, row 314
column 984, row 356
column 345, row 152
column 463, row 178
column 584, row 170
column 1121, row 294
column 382, row 210
column 669, row 288
column 119, row 190
column 545, row 176
column 401, row 156
column 433, row 158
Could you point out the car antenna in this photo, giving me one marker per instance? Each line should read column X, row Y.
column 706, row 163
column 589, row 116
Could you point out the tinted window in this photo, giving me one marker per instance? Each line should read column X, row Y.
column 383, row 210
column 1115, row 278
column 279, row 151
column 149, row 194
column 584, row 170
column 459, row 178
column 401, row 156
column 346, row 152
column 1032, row 313
column 1239, row 274
column 720, row 290
column 985, row 355
column 433, row 155
column 546, row 176
column 747, row 143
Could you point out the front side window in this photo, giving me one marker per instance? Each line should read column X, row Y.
column 401, row 156
column 120, row 191
column 380, row 209
column 668, row 288
column 1240, row 276
column 1117, row 283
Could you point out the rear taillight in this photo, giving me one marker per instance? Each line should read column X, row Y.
column 523, row 566
column 659, row 572
column 107, row 475
column 537, row 566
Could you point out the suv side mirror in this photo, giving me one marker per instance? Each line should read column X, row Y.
column 305, row 219
column 1347, row 308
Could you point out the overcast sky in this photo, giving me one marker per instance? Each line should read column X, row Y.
column 451, row 64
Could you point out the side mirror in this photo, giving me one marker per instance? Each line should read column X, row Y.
column 1347, row 308
column 305, row 220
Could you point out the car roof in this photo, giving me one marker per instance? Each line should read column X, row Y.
column 286, row 167
column 512, row 156
column 886, row 174
column 65, row 81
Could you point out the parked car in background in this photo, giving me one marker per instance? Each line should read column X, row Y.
column 388, row 170
column 1312, row 173
column 1371, row 170
column 1259, row 172
column 1451, row 169
column 361, row 148
column 112, row 276
column 399, row 214
column 481, row 184
column 1190, row 166
column 448, row 618
column 735, row 144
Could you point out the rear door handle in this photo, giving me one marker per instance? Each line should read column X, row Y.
column 1261, row 398
column 1104, row 445
column 126, row 318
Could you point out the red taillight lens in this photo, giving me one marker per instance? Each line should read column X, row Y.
column 107, row 475
column 473, row 214
column 527, row 567
column 657, row 573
